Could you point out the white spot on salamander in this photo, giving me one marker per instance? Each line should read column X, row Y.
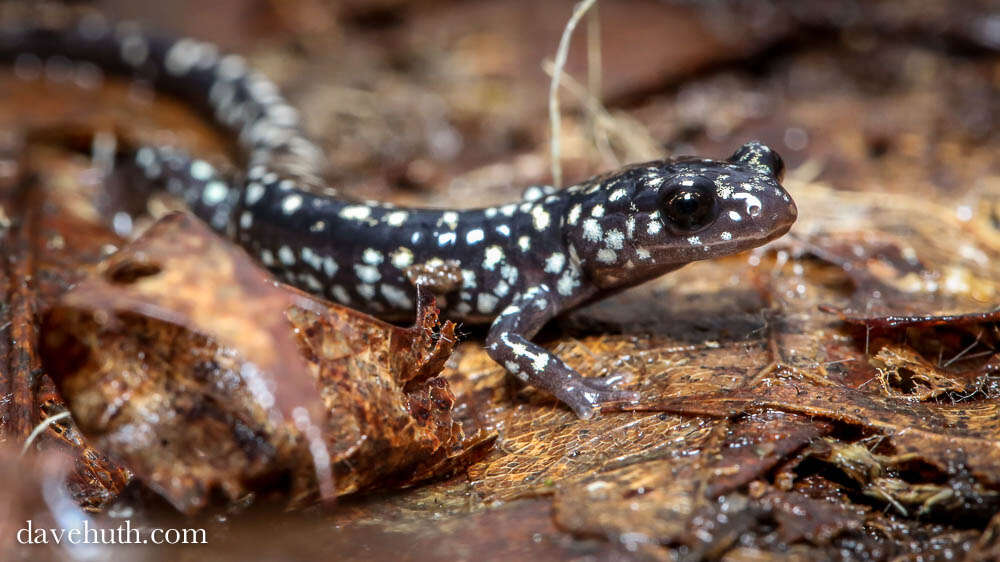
column 493, row 256
column 256, row 172
column 330, row 266
column 615, row 239
column 515, row 369
column 735, row 217
column 402, row 258
column 555, row 263
column 574, row 214
column 134, row 50
column 486, row 303
column 145, row 157
column 540, row 217
column 449, row 218
column 502, row 289
column 540, row 362
column 753, row 204
column 366, row 291
column 367, row 273
column 356, row 212
column 254, row 193
column 371, row 256
column 182, row 56
column 474, row 236
column 592, row 231
column 232, row 67
column 340, row 294
column 291, row 203
column 310, row 280
column 568, row 282
column 468, row 279
column 533, row 193
column 311, row 257
column 215, row 193
column 201, row 170
column 396, row 218
column 509, row 273
column 246, row 220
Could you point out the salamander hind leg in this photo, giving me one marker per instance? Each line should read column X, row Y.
column 508, row 343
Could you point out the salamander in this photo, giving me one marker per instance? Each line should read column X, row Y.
column 515, row 266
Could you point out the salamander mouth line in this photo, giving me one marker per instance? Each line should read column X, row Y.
column 744, row 242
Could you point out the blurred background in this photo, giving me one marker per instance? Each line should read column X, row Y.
column 444, row 101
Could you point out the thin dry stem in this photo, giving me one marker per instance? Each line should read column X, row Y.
column 554, row 118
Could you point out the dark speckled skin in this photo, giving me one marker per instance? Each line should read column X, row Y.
column 516, row 265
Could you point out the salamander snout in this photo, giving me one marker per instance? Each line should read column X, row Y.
column 757, row 182
column 764, row 169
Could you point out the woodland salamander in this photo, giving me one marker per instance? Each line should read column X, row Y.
column 516, row 265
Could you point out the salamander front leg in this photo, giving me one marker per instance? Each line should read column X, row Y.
column 508, row 343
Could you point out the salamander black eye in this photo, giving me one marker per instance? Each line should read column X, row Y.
column 691, row 208
column 760, row 156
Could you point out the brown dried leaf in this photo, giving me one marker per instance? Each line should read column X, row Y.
column 673, row 500
column 905, row 374
column 155, row 368
column 953, row 438
column 157, row 277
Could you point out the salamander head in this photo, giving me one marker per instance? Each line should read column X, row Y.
column 652, row 218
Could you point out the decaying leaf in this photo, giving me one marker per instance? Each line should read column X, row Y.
column 689, row 500
column 175, row 354
column 905, row 374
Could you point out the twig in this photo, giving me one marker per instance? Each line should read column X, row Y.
column 963, row 352
column 554, row 118
column 42, row 426
column 637, row 143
